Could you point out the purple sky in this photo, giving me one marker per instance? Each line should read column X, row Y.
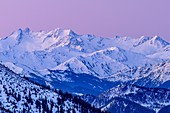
column 105, row 18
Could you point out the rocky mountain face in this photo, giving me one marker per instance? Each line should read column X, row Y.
column 128, row 98
column 18, row 95
column 58, row 57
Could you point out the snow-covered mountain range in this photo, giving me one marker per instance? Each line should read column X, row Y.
column 57, row 57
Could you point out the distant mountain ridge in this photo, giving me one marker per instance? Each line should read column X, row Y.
column 141, row 99
column 41, row 56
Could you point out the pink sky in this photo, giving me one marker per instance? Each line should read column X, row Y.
column 105, row 18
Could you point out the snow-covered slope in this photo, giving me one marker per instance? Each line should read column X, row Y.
column 123, row 96
column 163, row 54
column 20, row 95
column 105, row 62
column 148, row 75
column 155, row 76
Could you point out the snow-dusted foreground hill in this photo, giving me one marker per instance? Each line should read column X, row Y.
column 42, row 55
column 18, row 95
column 126, row 98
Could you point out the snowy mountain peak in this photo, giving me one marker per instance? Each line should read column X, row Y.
column 156, row 40
column 71, row 32
column 27, row 30
column 19, row 34
column 141, row 40
column 62, row 32
column 156, row 37
column 16, row 33
column 21, row 31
